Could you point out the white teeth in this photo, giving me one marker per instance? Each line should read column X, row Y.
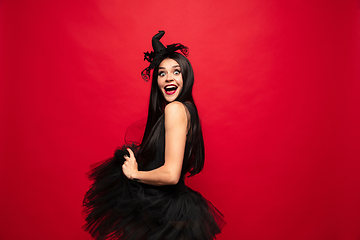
column 170, row 88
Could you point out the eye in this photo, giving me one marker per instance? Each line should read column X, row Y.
column 177, row 72
column 161, row 74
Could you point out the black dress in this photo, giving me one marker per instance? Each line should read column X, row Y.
column 119, row 208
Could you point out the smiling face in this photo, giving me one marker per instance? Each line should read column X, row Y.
column 170, row 79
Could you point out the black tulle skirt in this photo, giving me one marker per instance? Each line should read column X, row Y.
column 118, row 208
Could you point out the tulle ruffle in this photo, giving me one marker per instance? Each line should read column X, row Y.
column 118, row 208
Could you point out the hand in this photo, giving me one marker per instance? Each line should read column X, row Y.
column 130, row 165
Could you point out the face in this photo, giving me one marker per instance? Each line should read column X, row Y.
column 170, row 79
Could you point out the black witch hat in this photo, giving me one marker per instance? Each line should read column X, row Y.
column 160, row 52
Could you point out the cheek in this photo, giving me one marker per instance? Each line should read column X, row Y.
column 159, row 83
column 181, row 82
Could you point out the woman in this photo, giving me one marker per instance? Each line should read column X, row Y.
column 140, row 192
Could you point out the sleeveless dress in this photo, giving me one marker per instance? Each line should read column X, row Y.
column 119, row 208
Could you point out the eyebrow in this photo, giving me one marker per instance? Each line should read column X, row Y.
column 172, row 67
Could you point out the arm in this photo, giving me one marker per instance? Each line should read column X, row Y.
column 175, row 140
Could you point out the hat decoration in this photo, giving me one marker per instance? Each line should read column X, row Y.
column 159, row 53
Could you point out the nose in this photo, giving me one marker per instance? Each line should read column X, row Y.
column 169, row 77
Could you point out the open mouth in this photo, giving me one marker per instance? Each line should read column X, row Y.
column 170, row 89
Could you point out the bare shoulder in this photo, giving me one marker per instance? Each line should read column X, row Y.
column 175, row 110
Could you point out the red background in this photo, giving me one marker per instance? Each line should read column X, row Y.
column 277, row 87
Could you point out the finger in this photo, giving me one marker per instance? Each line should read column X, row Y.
column 131, row 153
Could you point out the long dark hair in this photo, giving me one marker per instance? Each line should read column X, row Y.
column 194, row 160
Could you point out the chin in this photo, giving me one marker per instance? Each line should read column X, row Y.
column 170, row 98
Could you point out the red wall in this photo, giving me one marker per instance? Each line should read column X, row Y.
column 277, row 87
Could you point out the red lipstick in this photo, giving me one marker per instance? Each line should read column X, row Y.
column 170, row 89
